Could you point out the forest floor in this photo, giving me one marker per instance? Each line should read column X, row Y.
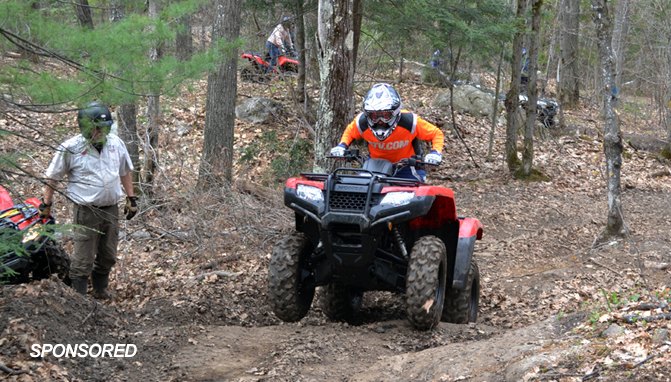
column 190, row 282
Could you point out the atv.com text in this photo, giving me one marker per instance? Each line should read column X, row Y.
column 83, row 350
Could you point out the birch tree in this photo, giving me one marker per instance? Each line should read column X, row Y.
column 335, row 49
column 612, row 141
column 620, row 31
column 512, row 97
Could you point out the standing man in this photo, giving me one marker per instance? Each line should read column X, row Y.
column 279, row 41
column 96, row 164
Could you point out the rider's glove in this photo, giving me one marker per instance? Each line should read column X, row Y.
column 434, row 157
column 339, row 151
column 131, row 207
column 45, row 209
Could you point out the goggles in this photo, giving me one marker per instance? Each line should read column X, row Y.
column 377, row 116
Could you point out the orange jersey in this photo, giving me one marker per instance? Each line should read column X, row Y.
column 399, row 144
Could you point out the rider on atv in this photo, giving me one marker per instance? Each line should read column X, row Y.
column 377, row 125
column 279, row 41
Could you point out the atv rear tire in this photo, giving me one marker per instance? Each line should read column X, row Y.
column 425, row 282
column 461, row 306
column 247, row 74
column 288, row 294
column 341, row 303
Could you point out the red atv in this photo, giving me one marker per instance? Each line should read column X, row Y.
column 363, row 229
column 28, row 250
column 258, row 68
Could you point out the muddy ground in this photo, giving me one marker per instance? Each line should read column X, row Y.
column 191, row 280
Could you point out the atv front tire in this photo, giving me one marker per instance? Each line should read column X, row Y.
column 425, row 282
column 289, row 295
column 52, row 259
column 341, row 303
column 461, row 306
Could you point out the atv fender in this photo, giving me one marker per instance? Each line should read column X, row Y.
column 470, row 230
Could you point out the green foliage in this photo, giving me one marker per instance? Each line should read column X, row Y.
column 10, row 243
column 474, row 29
column 110, row 62
column 288, row 158
column 666, row 152
column 294, row 161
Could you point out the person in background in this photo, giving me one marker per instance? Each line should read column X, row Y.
column 279, row 41
column 524, row 79
column 391, row 132
column 97, row 166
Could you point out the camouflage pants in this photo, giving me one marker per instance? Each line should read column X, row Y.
column 95, row 242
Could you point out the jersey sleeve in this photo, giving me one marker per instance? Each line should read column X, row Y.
column 427, row 131
column 351, row 132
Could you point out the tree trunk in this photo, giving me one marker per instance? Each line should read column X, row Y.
column 335, row 50
column 620, row 31
column 184, row 39
column 127, row 128
column 127, row 113
column 612, row 137
column 153, row 117
column 569, row 75
column 495, row 113
column 216, row 165
column 532, row 93
column 356, row 28
column 667, row 96
column 512, row 97
column 300, row 48
column 83, row 11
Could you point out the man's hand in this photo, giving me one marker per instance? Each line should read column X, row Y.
column 434, row 157
column 339, row 151
column 45, row 209
column 130, row 209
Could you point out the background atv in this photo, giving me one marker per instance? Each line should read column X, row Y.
column 546, row 109
column 258, row 68
column 41, row 255
column 362, row 229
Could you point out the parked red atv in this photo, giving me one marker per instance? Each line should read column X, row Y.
column 35, row 254
column 362, row 229
column 258, row 68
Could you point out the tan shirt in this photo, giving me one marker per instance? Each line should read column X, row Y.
column 279, row 36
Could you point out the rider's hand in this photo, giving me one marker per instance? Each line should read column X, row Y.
column 131, row 207
column 339, row 151
column 45, row 209
column 434, row 157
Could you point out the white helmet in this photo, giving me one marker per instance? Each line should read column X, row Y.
column 382, row 107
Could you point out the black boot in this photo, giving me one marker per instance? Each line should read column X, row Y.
column 80, row 284
column 100, row 282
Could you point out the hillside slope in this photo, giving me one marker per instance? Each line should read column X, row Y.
column 191, row 276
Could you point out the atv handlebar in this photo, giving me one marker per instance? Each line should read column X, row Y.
column 355, row 156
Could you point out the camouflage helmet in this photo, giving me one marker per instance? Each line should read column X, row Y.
column 94, row 115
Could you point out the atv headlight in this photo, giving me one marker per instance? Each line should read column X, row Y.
column 309, row 193
column 396, row 199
